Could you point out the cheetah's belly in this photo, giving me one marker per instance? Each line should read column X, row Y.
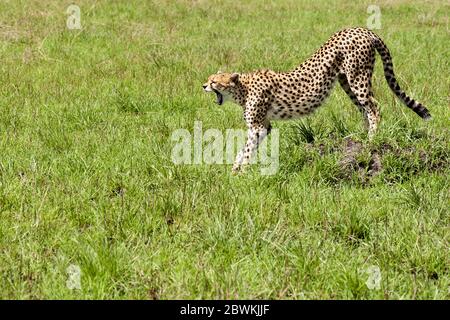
column 298, row 100
column 282, row 110
column 296, row 108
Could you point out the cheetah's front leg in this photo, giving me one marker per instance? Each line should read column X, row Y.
column 255, row 136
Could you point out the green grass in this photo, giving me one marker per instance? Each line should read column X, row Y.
column 86, row 176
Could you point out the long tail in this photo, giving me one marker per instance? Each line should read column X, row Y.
column 393, row 84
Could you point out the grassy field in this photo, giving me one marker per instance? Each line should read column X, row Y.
column 86, row 178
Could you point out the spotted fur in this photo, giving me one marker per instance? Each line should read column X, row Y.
column 347, row 57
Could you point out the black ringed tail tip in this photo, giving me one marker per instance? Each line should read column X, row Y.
column 388, row 67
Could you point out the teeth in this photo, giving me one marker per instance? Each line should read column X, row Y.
column 219, row 100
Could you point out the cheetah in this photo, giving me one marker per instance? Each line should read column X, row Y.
column 347, row 57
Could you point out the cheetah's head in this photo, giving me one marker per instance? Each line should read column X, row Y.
column 222, row 84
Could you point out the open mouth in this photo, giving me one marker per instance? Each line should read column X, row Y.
column 219, row 100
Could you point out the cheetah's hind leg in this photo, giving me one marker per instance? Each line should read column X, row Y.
column 359, row 90
column 346, row 87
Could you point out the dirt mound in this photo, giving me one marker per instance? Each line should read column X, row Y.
column 353, row 161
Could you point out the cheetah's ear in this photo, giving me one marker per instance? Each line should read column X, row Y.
column 234, row 77
column 219, row 72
